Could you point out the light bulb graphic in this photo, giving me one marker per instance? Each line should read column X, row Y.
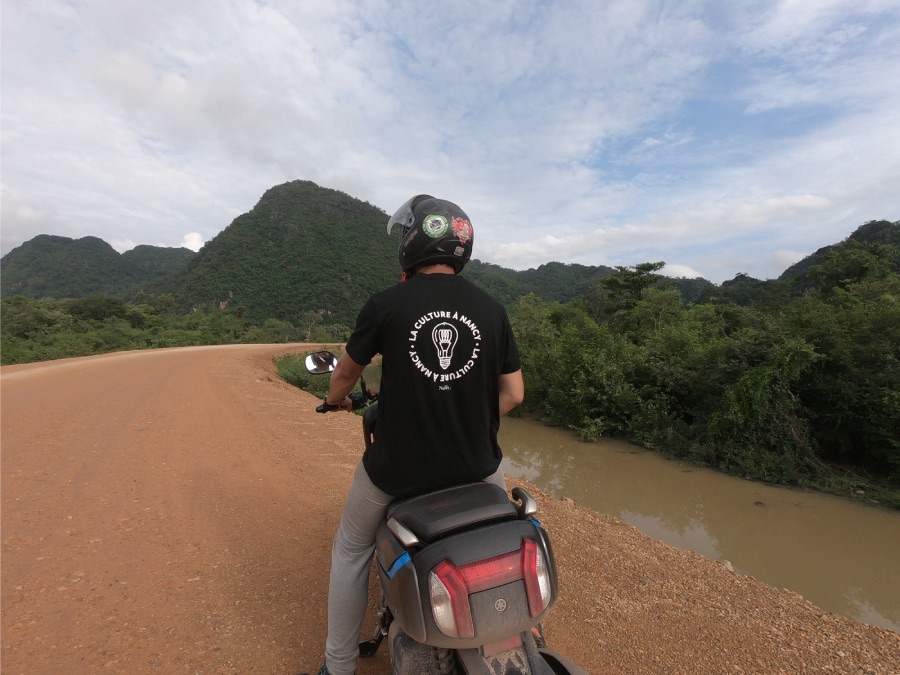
column 444, row 336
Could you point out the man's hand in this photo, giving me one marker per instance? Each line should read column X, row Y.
column 344, row 377
column 325, row 407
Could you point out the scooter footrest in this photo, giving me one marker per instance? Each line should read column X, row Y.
column 369, row 648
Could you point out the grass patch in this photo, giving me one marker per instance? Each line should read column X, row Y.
column 859, row 486
column 292, row 369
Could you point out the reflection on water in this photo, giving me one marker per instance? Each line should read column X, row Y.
column 840, row 555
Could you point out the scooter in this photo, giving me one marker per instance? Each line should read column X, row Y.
column 467, row 575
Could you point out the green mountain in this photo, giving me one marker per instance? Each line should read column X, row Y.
column 56, row 267
column 301, row 248
column 877, row 238
column 872, row 249
column 147, row 264
column 305, row 248
column 554, row 281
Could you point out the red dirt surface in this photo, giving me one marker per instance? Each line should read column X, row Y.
column 171, row 511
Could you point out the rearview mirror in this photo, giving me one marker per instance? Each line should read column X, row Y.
column 319, row 363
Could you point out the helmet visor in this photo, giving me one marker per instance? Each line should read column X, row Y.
column 402, row 217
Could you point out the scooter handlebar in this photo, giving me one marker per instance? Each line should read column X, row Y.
column 358, row 399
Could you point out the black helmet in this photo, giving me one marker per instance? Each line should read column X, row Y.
column 434, row 231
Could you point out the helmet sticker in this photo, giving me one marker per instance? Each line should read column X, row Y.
column 462, row 229
column 444, row 346
column 435, row 226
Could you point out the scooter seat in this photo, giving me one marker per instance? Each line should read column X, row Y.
column 437, row 514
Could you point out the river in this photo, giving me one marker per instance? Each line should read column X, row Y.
column 842, row 556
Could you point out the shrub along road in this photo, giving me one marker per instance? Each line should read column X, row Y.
column 171, row 511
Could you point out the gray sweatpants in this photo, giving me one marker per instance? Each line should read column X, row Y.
column 351, row 559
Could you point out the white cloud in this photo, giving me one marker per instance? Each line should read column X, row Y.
column 29, row 215
column 193, row 241
column 680, row 271
column 784, row 258
column 122, row 245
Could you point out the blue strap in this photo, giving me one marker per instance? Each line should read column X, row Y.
column 398, row 563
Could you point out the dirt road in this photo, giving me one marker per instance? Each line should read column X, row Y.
column 171, row 511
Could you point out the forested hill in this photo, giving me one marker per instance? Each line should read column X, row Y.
column 558, row 282
column 876, row 235
column 302, row 248
column 306, row 248
column 52, row 266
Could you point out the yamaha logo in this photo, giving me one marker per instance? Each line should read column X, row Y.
column 500, row 605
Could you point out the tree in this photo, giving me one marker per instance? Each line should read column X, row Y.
column 629, row 283
column 308, row 322
column 762, row 430
column 621, row 290
column 95, row 307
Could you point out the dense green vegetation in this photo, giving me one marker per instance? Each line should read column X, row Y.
column 40, row 330
column 801, row 391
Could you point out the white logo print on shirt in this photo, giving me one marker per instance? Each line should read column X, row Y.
column 439, row 345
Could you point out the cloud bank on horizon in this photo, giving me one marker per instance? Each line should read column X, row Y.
column 720, row 138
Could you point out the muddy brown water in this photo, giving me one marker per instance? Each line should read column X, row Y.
column 840, row 555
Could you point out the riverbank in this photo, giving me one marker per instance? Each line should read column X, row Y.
column 837, row 553
column 842, row 482
column 637, row 605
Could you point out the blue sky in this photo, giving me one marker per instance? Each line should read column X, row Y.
column 722, row 138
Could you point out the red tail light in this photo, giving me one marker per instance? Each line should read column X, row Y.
column 537, row 580
column 451, row 586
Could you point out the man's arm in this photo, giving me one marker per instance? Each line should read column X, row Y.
column 343, row 379
column 512, row 391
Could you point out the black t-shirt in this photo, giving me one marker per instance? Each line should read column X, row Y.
column 444, row 343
